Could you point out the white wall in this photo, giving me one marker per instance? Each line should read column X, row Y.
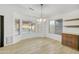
column 8, row 22
column 66, row 16
column 10, row 13
column 72, row 15
column 24, row 35
column 51, row 35
column 18, row 15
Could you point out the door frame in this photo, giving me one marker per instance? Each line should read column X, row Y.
column 2, row 31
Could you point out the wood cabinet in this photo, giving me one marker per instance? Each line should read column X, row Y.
column 70, row 40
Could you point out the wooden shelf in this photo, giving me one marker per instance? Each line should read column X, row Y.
column 72, row 26
column 72, row 19
column 74, row 23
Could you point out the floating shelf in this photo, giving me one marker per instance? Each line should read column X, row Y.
column 72, row 26
column 72, row 23
column 72, row 19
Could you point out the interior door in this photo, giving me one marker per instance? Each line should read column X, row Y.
column 1, row 31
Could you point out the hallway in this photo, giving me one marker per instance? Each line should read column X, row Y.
column 37, row 46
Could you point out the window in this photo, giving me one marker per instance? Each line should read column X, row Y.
column 52, row 26
column 28, row 26
column 56, row 26
column 17, row 26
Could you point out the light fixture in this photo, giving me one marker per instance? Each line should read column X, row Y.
column 41, row 19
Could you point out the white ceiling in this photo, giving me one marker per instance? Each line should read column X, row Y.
column 50, row 9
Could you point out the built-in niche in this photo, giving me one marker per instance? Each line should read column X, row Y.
column 56, row 26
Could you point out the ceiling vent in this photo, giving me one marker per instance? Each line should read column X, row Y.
column 31, row 9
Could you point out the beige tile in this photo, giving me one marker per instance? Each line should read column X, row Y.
column 37, row 46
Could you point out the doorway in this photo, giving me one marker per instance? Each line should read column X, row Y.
column 1, row 31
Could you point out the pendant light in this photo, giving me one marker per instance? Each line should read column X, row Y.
column 41, row 19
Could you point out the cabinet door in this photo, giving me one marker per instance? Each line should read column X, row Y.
column 70, row 40
column 74, row 41
column 64, row 39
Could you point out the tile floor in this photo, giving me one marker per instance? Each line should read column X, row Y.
column 37, row 46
